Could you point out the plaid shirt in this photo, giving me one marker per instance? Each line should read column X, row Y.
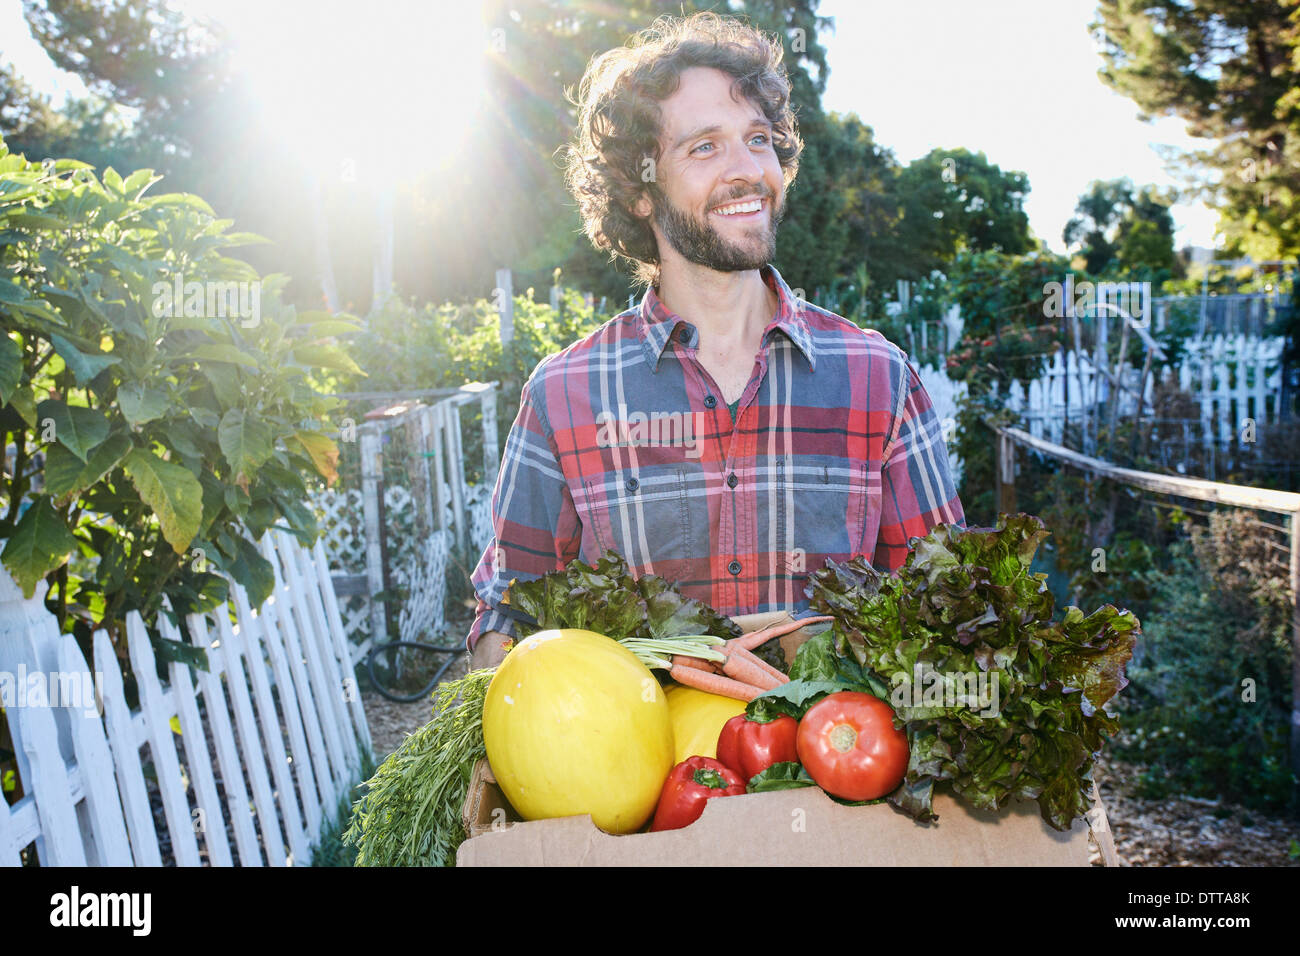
column 623, row 442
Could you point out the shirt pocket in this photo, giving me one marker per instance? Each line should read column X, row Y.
column 644, row 515
column 831, row 500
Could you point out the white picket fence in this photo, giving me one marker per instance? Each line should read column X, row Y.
column 1230, row 378
column 265, row 744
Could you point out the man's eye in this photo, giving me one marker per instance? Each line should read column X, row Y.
column 700, row 147
column 760, row 136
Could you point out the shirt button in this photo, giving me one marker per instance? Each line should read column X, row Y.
column 734, row 567
column 710, row 401
column 684, row 336
column 633, row 484
column 732, row 481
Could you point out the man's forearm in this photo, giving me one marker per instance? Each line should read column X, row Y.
column 489, row 650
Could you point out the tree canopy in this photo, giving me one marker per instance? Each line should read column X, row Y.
column 1230, row 68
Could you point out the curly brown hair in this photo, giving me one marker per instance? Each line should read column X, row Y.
column 619, row 120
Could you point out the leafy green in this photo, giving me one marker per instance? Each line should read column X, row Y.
column 410, row 813
column 607, row 599
column 792, row 699
column 780, row 776
column 996, row 698
column 817, row 670
column 39, row 544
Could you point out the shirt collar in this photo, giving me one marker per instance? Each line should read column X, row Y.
column 656, row 324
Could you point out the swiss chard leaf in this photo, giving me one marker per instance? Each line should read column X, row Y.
column 788, row 775
column 608, row 599
column 792, row 699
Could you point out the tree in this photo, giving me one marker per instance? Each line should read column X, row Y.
column 1118, row 228
column 1231, row 69
column 155, row 436
column 91, row 128
column 865, row 176
column 954, row 199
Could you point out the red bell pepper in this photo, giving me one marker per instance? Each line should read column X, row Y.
column 691, row 784
column 749, row 747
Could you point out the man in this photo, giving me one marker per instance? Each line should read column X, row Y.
column 722, row 434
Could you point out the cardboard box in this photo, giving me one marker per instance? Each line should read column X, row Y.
column 785, row 828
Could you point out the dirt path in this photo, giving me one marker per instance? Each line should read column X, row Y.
column 1189, row 831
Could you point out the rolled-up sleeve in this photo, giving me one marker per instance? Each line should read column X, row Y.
column 534, row 521
column 917, row 489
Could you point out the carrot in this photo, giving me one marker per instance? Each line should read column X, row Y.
column 766, row 667
column 714, row 683
column 744, row 667
column 756, row 638
column 697, row 663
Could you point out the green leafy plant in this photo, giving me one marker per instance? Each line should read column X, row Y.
column 608, row 599
column 410, row 813
column 1208, row 712
column 964, row 603
column 158, row 396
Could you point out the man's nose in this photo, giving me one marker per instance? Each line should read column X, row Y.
column 744, row 166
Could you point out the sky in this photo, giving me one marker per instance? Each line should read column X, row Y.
column 1014, row 79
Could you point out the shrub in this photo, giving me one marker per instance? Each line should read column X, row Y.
column 1221, row 617
column 154, row 438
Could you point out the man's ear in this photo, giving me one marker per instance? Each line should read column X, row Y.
column 642, row 208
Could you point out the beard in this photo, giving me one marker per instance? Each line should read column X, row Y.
column 698, row 242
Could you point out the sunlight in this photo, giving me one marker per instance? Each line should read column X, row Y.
column 381, row 86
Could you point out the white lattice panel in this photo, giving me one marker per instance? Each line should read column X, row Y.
column 479, row 504
column 426, row 583
column 339, row 512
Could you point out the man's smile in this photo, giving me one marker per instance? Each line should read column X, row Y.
column 742, row 210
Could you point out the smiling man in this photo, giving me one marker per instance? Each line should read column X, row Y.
column 722, row 433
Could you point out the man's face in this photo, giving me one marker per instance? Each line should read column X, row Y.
column 719, row 192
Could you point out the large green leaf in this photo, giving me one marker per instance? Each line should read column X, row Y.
column 40, row 543
column 322, row 450
column 65, row 474
column 325, row 356
column 84, row 365
column 11, row 367
column 24, row 403
column 253, row 571
column 77, row 429
column 140, row 403
column 221, row 353
column 11, row 293
column 328, row 328
column 172, row 492
column 245, row 441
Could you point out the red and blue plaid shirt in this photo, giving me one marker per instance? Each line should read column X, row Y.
column 623, row 442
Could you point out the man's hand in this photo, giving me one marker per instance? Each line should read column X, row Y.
column 490, row 650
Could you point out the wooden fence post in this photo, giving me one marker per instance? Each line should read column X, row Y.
column 1005, row 468
column 1295, row 641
